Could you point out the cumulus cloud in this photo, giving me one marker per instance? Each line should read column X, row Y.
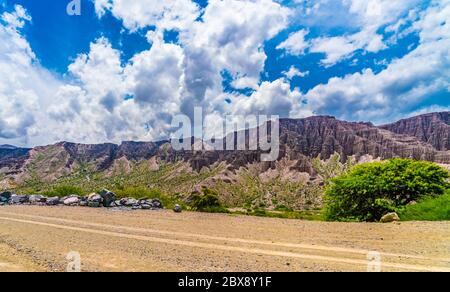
column 296, row 43
column 106, row 99
column 271, row 98
column 367, row 17
column 230, row 37
column 174, row 14
column 25, row 86
column 295, row 72
column 403, row 86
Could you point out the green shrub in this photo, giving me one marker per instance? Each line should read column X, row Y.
column 207, row 201
column 138, row 192
column 64, row 190
column 369, row 191
column 429, row 209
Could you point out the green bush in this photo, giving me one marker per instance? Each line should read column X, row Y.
column 64, row 190
column 429, row 209
column 138, row 192
column 207, row 201
column 369, row 191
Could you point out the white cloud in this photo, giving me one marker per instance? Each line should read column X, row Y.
column 25, row 86
column 335, row 48
column 156, row 76
column 17, row 18
column 174, row 14
column 38, row 108
column 403, row 86
column 271, row 98
column 366, row 17
column 93, row 103
column 230, row 37
column 338, row 48
column 100, row 71
column 294, row 72
column 296, row 43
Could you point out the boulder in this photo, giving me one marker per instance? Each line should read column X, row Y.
column 83, row 203
column 118, row 203
column 129, row 202
column 391, row 217
column 53, row 201
column 146, row 206
column 72, row 200
column 36, row 199
column 177, row 209
column 92, row 204
column 19, row 199
column 108, row 197
column 95, row 198
column 156, row 203
column 4, row 199
column 5, row 196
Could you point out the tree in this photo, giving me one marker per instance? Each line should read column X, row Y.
column 369, row 191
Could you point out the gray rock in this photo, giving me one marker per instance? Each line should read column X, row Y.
column 146, row 206
column 53, row 201
column 19, row 199
column 129, row 202
column 156, row 203
column 83, row 203
column 391, row 217
column 95, row 198
column 5, row 196
column 136, row 207
column 92, row 204
column 108, row 197
column 36, row 199
column 4, row 199
column 177, row 209
column 72, row 201
column 118, row 203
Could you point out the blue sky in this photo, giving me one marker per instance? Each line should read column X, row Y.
column 121, row 70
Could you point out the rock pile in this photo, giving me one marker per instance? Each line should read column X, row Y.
column 105, row 198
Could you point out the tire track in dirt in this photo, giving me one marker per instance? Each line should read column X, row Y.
column 227, row 239
column 303, row 256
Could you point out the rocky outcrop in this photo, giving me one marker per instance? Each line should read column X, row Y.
column 12, row 159
column 433, row 129
column 322, row 136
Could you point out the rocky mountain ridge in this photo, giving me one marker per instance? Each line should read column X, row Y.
column 425, row 137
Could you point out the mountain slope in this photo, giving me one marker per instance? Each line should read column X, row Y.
column 237, row 173
column 433, row 129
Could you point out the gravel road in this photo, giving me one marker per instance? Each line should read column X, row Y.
column 39, row 239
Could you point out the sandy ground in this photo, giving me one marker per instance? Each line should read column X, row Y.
column 39, row 239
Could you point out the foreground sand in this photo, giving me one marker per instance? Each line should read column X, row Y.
column 39, row 238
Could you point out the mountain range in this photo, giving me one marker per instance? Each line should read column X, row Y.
column 156, row 164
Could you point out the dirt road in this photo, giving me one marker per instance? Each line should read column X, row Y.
column 39, row 238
